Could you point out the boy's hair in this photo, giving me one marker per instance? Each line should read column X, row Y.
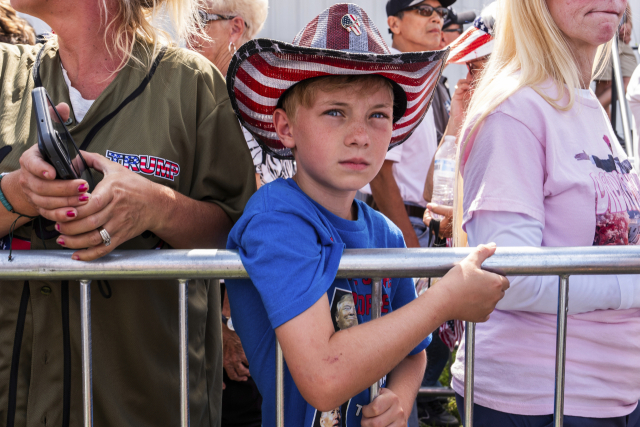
column 304, row 93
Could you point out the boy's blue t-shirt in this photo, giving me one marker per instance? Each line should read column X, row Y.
column 291, row 247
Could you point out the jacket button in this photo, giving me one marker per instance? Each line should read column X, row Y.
column 45, row 290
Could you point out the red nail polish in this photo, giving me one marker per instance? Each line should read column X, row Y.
column 45, row 174
column 60, row 242
column 71, row 214
column 75, row 258
column 82, row 188
column 83, row 198
column 58, row 227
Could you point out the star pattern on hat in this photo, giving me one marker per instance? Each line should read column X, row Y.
column 479, row 24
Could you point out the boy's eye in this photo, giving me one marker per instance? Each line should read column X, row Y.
column 380, row 115
column 333, row 113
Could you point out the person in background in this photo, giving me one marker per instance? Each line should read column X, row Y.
column 396, row 191
column 628, row 63
column 441, row 105
column 453, row 26
column 229, row 24
column 472, row 50
column 161, row 182
column 13, row 29
column 633, row 96
column 542, row 168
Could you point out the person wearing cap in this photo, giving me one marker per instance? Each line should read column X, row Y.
column 453, row 25
column 335, row 100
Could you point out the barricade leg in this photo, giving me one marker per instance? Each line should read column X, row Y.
column 184, row 352
column 85, row 332
column 561, row 347
column 279, row 386
column 469, row 361
column 376, row 312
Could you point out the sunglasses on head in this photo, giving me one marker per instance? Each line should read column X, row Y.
column 453, row 30
column 208, row 17
column 427, row 10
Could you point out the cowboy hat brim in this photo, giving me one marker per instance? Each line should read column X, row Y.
column 472, row 44
column 262, row 70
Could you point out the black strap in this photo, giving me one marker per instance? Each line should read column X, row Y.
column 92, row 133
column 15, row 358
column 98, row 126
column 37, row 82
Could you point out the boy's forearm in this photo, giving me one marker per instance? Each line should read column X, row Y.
column 385, row 342
column 405, row 380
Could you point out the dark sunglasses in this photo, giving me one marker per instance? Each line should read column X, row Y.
column 453, row 30
column 427, row 10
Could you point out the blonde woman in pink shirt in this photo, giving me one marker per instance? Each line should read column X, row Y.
column 542, row 167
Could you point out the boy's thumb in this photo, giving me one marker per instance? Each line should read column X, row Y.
column 482, row 252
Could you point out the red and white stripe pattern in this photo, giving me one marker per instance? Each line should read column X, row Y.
column 474, row 43
column 262, row 77
column 451, row 333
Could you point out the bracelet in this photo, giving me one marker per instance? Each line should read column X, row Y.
column 3, row 199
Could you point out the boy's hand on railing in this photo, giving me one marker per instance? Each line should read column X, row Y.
column 384, row 411
column 472, row 293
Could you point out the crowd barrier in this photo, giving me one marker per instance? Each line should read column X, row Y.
column 182, row 265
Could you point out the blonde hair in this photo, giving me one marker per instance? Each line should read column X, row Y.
column 254, row 13
column 14, row 29
column 527, row 40
column 131, row 21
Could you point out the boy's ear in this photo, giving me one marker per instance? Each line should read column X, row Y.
column 284, row 128
column 394, row 24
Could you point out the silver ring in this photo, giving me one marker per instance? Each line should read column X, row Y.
column 106, row 239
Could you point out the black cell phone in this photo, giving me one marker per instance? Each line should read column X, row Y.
column 55, row 142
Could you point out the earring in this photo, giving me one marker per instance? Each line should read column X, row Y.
column 234, row 48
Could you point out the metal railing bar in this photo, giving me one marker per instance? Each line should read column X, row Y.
column 87, row 372
column 561, row 350
column 183, row 299
column 279, row 386
column 619, row 83
column 469, row 366
column 212, row 263
column 436, row 391
column 376, row 312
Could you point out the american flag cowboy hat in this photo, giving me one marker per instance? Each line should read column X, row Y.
column 342, row 40
column 477, row 41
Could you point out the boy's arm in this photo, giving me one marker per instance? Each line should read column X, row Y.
column 393, row 405
column 330, row 367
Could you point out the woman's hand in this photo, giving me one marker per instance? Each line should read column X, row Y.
column 33, row 190
column 459, row 105
column 446, row 229
column 122, row 203
column 385, row 410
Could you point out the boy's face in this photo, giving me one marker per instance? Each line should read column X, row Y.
column 340, row 141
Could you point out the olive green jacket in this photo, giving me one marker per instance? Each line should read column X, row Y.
column 180, row 132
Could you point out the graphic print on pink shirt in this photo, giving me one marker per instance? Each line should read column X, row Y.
column 617, row 193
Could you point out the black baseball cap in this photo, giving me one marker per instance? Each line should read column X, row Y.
column 395, row 6
column 461, row 18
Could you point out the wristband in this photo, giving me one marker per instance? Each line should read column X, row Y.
column 3, row 199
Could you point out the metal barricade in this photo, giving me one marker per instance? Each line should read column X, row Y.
column 376, row 263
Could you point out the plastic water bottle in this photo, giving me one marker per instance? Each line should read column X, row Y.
column 444, row 174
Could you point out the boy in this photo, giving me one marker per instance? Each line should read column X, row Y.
column 303, row 100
